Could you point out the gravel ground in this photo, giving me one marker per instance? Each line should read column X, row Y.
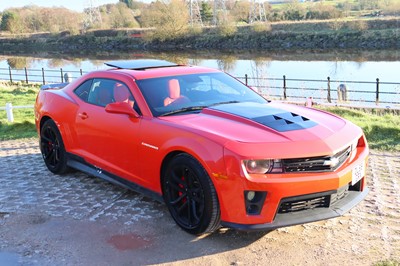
column 47, row 219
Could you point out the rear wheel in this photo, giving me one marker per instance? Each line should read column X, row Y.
column 52, row 148
column 190, row 195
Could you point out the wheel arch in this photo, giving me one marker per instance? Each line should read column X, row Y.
column 43, row 120
column 208, row 153
column 164, row 164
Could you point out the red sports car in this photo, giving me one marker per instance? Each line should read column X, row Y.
column 216, row 152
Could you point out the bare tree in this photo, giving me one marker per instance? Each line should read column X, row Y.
column 169, row 19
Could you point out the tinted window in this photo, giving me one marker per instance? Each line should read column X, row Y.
column 83, row 90
column 104, row 91
column 195, row 91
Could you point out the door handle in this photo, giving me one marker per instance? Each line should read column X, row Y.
column 83, row 115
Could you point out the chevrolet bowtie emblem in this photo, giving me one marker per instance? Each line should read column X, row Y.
column 332, row 162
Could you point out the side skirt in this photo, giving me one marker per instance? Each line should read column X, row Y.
column 80, row 164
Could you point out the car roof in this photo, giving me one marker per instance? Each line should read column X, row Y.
column 140, row 64
column 152, row 68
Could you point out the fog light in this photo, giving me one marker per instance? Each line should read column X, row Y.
column 250, row 195
column 254, row 201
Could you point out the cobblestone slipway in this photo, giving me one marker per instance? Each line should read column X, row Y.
column 47, row 219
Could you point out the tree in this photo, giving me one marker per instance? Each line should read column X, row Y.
column 120, row 16
column 322, row 11
column 168, row 18
column 11, row 21
column 206, row 12
column 127, row 2
column 368, row 4
column 31, row 19
column 240, row 11
column 294, row 11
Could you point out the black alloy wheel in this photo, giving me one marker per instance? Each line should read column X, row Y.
column 52, row 148
column 190, row 195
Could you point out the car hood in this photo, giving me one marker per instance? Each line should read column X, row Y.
column 272, row 126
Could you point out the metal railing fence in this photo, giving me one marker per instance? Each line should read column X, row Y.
column 43, row 76
column 328, row 90
column 365, row 93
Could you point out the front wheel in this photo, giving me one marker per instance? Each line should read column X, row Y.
column 190, row 195
column 52, row 148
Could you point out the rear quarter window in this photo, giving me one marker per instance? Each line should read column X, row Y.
column 83, row 90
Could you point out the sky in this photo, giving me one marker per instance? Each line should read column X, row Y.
column 76, row 5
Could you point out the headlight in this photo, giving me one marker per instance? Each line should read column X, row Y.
column 263, row 166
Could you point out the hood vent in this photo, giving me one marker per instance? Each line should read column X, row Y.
column 285, row 121
column 272, row 117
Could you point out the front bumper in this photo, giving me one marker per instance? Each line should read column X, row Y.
column 294, row 218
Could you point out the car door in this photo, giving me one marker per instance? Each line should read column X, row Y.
column 107, row 140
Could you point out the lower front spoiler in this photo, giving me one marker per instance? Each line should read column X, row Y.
column 308, row 216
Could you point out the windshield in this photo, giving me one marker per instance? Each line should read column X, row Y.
column 191, row 93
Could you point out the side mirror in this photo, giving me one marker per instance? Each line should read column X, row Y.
column 121, row 108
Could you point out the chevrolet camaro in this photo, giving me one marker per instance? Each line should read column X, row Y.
column 216, row 152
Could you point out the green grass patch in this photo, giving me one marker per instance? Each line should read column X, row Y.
column 388, row 263
column 381, row 127
column 24, row 121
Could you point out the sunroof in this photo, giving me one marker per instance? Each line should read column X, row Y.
column 140, row 64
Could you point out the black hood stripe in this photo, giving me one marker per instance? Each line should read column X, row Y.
column 275, row 118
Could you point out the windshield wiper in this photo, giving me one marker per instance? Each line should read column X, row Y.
column 195, row 108
column 184, row 110
column 227, row 102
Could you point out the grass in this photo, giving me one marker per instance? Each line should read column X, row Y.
column 388, row 263
column 24, row 122
column 381, row 128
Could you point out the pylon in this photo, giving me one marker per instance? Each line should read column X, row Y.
column 92, row 14
column 219, row 12
column 257, row 11
column 194, row 11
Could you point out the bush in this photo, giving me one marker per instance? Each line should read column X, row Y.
column 227, row 29
column 169, row 19
column 322, row 11
column 261, row 27
column 358, row 25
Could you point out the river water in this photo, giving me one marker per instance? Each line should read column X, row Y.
column 357, row 69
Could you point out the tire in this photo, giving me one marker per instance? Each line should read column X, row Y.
column 190, row 195
column 52, row 148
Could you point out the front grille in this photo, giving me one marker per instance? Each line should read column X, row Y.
column 301, row 205
column 312, row 201
column 316, row 164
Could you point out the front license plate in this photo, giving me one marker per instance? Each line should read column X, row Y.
column 358, row 173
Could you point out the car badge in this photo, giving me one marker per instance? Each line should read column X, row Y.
column 331, row 162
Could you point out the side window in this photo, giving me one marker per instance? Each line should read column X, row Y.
column 104, row 91
column 83, row 90
column 101, row 92
column 121, row 93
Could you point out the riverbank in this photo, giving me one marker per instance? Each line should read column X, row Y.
column 381, row 33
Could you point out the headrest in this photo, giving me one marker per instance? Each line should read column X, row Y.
column 121, row 93
column 174, row 90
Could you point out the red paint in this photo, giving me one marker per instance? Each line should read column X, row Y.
column 134, row 147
